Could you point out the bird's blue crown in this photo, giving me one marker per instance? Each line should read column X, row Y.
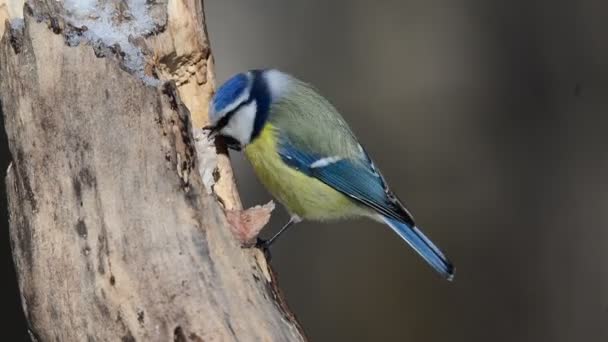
column 229, row 92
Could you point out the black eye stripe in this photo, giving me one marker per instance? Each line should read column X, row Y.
column 226, row 119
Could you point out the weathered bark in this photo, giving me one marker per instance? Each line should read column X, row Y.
column 114, row 235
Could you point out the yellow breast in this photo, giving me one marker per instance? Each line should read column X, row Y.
column 302, row 195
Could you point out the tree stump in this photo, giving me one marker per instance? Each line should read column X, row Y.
column 117, row 214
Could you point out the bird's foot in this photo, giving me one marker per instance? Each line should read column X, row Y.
column 264, row 246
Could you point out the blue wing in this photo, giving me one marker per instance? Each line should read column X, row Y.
column 357, row 179
column 360, row 180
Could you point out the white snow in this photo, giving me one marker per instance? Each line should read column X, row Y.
column 17, row 24
column 80, row 7
column 106, row 25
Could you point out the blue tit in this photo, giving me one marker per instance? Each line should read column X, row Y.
column 308, row 158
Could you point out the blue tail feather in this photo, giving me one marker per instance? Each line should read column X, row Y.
column 423, row 246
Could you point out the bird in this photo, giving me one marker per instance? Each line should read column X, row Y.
column 308, row 158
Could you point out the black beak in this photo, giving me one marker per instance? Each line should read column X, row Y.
column 231, row 143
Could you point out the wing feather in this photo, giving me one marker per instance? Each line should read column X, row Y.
column 357, row 179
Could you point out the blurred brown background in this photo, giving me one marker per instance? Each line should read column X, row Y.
column 488, row 118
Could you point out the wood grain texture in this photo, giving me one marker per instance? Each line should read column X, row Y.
column 114, row 236
column 182, row 53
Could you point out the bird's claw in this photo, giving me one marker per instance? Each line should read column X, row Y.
column 264, row 246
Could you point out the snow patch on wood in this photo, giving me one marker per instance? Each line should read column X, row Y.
column 10, row 10
column 17, row 24
column 114, row 25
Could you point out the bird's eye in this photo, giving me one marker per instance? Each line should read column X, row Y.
column 232, row 143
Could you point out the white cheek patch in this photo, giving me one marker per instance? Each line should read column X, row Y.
column 240, row 125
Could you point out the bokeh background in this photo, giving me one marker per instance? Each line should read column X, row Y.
column 488, row 118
